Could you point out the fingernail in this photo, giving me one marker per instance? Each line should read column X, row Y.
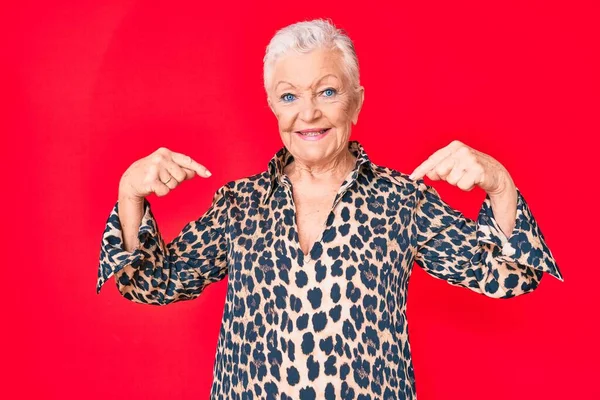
column 207, row 173
column 411, row 177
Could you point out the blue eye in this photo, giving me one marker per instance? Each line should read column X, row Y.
column 287, row 97
column 329, row 92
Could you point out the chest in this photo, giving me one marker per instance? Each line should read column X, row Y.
column 312, row 210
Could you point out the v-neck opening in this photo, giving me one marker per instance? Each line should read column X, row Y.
column 297, row 231
column 284, row 158
column 343, row 187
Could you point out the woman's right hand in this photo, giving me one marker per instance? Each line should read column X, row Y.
column 159, row 173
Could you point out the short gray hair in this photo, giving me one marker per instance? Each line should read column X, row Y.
column 303, row 37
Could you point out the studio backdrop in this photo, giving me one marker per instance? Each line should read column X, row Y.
column 90, row 87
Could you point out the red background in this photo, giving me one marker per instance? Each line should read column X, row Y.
column 88, row 88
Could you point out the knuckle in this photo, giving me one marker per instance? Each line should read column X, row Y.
column 462, row 150
column 157, row 158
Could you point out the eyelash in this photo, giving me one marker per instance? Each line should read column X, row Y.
column 282, row 97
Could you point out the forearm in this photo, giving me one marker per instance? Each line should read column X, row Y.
column 504, row 206
column 131, row 211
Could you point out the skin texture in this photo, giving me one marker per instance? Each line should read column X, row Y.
column 305, row 77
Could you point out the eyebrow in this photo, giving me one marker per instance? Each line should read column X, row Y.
column 314, row 83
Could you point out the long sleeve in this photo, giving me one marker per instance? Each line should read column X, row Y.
column 179, row 270
column 477, row 254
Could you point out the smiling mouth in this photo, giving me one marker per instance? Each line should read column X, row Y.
column 313, row 133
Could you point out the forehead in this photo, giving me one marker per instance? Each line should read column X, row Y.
column 304, row 69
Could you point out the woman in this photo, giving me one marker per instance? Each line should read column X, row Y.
column 319, row 247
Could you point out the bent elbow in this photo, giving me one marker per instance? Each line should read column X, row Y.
column 507, row 288
column 137, row 289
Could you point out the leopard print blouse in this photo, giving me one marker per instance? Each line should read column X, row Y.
column 331, row 323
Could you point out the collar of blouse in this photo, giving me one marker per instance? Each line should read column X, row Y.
column 283, row 157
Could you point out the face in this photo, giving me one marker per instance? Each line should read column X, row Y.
column 311, row 91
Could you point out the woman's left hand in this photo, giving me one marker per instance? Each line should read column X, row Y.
column 465, row 167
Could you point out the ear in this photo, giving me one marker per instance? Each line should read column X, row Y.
column 360, row 95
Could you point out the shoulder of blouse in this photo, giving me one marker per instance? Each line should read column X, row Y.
column 256, row 186
column 396, row 177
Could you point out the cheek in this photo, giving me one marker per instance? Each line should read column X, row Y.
column 285, row 118
column 347, row 105
column 339, row 112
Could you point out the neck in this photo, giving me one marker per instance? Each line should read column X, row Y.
column 335, row 169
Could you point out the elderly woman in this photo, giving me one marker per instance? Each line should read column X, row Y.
column 319, row 247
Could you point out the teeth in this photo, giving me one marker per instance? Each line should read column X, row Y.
column 314, row 133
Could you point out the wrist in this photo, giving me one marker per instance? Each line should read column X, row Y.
column 125, row 191
column 506, row 187
column 126, row 196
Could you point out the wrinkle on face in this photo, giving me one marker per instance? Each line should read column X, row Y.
column 303, row 79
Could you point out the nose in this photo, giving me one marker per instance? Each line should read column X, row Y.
column 310, row 111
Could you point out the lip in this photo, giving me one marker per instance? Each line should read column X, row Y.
column 313, row 138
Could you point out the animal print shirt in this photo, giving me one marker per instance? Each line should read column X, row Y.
column 331, row 323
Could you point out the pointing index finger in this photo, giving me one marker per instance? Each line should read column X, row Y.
column 187, row 162
column 431, row 162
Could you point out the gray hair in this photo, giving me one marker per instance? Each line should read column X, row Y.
column 303, row 37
